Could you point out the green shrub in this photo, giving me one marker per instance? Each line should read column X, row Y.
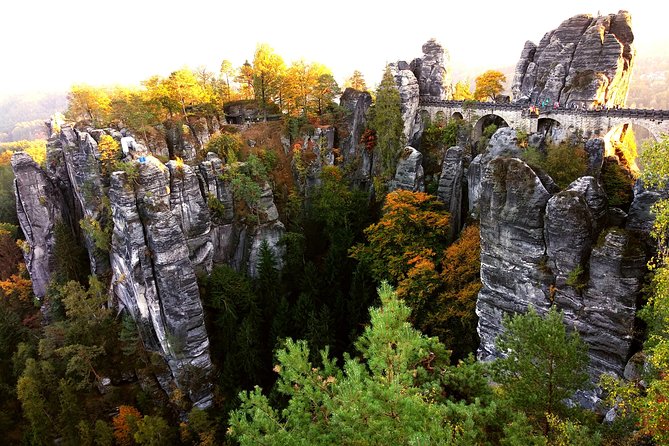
column 489, row 130
column 130, row 168
column 617, row 182
column 577, row 278
column 563, row 162
column 100, row 236
column 226, row 146
column 216, row 208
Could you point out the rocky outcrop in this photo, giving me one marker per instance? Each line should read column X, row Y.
column 353, row 151
column 191, row 213
column 153, row 274
column 504, row 143
column 641, row 217
column 407, row 84
column 82, row 165
column 542, row 247
column 513, row 249
column 40, row 207
column 237, row 242
column 356, row 103
column 595, row 148
column 452, row 189
column 431, row 71
column 586, row 61
column 409, row 173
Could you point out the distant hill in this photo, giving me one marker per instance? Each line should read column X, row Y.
column 649, row 86
column 22, row 116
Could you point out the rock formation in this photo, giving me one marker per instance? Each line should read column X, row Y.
column 407, row 84
column 452, row 189
column 409, row 172
column 163, row 235
column 587, row 61
column 353, row 151
column 40, row 207
column 425, row 78
column 434, row 79
column 153, row 274
column 541, row 246
column 235, row 242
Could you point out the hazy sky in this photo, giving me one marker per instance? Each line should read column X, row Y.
column 53, row 44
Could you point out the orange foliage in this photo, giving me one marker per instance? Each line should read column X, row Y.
column 413, row 224
column 17, row 286
column 5, row 157
column 10, row 254
column 125, row 425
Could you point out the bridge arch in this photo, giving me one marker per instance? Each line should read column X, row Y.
column 552, row 129
column 486, row 120
column 457, row 115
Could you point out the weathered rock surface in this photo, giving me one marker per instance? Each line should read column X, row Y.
column 40, row 207
column 540, row 248
column 191, row 214
column 235, row 242
column 163, row 234
column 357, row 104
column 82, row 164
column 153, row 274
column 354, row 152
column 595, row 148
column 452, row 188
column 640, row 216
column 604, row 316
column 513, row 249
column 431, row 71
column 585, row 61
column 502, row 144
column 409, row 173
column 407, row 84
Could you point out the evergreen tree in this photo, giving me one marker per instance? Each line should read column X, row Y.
column 544, row 364
column 386, row 120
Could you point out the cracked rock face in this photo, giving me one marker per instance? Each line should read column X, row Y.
column 235, row 242
column 512, row 207
column 82, row 165
column 586, row 61
column 452, row 189
column 542, row 247
column 431, row 70
column 40, row 206
column 409, row 173
column 154, row 276
column 357, row 104
column 407, row 84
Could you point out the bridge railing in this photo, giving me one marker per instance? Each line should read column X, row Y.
column 652, row 114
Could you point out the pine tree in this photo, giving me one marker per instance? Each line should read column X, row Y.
column 387, row 122
column 544, row 365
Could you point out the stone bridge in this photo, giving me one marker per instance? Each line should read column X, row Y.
column 647, row 124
